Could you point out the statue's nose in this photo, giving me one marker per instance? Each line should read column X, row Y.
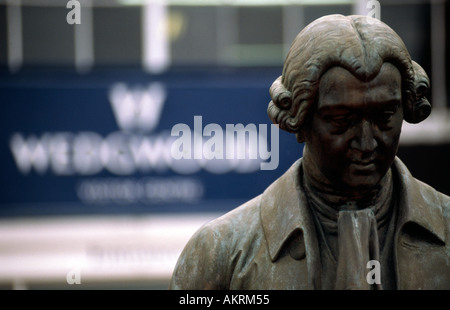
column 364, row 139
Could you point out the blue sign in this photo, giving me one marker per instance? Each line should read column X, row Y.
column 127, row 142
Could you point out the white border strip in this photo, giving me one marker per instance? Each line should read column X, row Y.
column 95, row 249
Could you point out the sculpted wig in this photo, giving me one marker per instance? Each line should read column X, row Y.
column 359, row 44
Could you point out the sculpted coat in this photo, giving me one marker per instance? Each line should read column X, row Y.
column 277, row 248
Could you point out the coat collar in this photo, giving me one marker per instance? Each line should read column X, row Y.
column 281, row 203
column 285, row 211
column 419, row 203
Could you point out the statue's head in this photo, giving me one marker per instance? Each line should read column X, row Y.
column 348, row 83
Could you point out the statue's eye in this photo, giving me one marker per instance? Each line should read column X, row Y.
column 345, row 120
column 340, row 120
column 340, row 123
column 385, row 116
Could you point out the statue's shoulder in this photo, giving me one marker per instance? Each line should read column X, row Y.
column 430, row 194
column 207, row 261
column 235, row 224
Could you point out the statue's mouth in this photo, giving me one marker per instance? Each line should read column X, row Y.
column 363, row 166
column 363, row 162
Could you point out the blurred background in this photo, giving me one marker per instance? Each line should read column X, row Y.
column 90, row 196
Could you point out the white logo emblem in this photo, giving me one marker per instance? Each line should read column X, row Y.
column 138, row 108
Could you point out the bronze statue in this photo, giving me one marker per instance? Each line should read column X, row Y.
column 349, row 206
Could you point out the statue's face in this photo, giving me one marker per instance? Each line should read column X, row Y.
column 354, row 131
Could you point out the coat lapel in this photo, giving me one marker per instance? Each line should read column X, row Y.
column 285, row 212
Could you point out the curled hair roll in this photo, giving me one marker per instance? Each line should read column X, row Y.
column 420, row 108
column 281, row 97
column 278, row 109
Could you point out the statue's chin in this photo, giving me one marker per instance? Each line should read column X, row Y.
column 359, row 186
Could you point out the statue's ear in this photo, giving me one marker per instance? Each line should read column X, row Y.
column 421, row 106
